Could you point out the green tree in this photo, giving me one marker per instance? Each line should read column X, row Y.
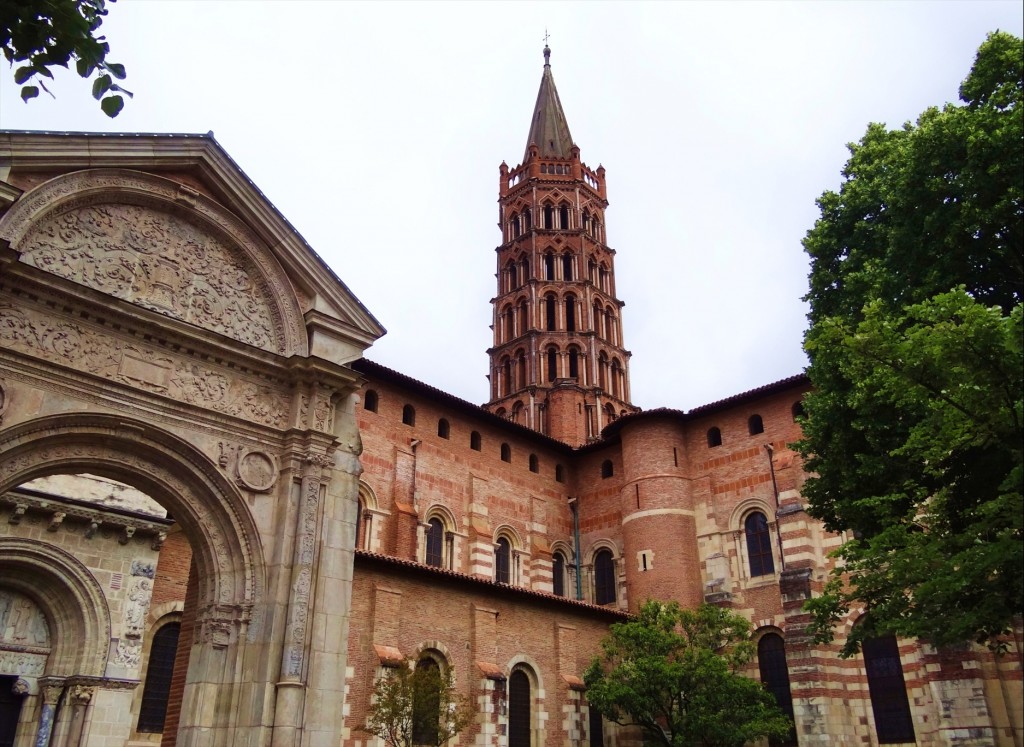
column 37, row 35
column 912, row 436
column 675, row 674
column 417, row 705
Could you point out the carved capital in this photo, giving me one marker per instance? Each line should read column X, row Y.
column 81, row 695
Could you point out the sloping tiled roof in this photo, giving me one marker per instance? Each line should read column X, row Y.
column 791, row 382
column 493, row 586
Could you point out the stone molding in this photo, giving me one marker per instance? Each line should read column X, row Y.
column 150, row 241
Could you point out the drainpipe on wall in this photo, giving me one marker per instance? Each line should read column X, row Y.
column 576, row 542
column 775, row 490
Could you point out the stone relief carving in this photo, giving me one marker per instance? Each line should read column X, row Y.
column 143, row 568
column 22, row 663
column 21, row 622
column 159, row 261
column 128, row 653
column 4, row 400
column 140, row 591
column 257, row 470
column 140, row 366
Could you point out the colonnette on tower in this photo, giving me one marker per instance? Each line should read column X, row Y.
column 330, row 518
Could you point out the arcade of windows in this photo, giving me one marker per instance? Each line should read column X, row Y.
column 557, row 313
column 560, row 266
column 554, row 217
column 513, row 373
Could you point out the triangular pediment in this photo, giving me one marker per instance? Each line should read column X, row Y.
column 162, row 210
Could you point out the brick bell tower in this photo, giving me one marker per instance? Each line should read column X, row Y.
column 558, row 364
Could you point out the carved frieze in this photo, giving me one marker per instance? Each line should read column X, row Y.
column 159, row 261
column 143, row 366
column 22, row 663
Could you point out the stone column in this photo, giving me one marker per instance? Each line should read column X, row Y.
column 291, row 687
column 79, row 701
column 51, row 688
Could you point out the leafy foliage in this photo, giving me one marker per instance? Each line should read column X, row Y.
column 675, row 674
column 913, row 429
column 37, row 35
column 408, row 699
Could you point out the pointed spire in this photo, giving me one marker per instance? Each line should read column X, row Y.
column 549, row 130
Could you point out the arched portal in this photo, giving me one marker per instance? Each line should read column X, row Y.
column 89, row 648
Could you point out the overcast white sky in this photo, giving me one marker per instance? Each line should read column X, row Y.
column 377, row 130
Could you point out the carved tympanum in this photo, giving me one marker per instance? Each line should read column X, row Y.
column 159, row 261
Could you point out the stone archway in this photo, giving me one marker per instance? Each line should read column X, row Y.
column 163, row 326
column 212, row 514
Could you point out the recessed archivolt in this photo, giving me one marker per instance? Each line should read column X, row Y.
column 210, row 510
column 159, row 245
column 70, row 598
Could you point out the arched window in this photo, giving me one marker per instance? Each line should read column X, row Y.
column 755, row 425
column 558, row 574
column 426, row 704
column 893, row 720
column 570, row 313
column 771, row 661
column 602, row 371
column 506, row 453
column 525, row 267
column 552, row 364
column 159, row 671
column 549, row 266
column 502, row 561
column 563, row 218
column 444, row 430
column 474, row 441
column 515, row 225
column 617, row 378
column 549, row 217
column 798, row 411
column 549, row 311
column 506, row 376
column 408, row 415
column 714, row 437
column 586, row 219
column 759, row 545
column 520, row 702
column 596, row 736
column 510, row 323
column 574, row 363
column 435, row 542
column 521, row 370
column 528, row 219
column 510, row 276
column 607, row 468
column 566, row 266
column 359, row 524
column 534, row 465
column 604, row 577
column 370, row 400
column 559, row 473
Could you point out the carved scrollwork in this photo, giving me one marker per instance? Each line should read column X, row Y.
column 96, row 351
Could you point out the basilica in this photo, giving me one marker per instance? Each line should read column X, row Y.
column 221, row 522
